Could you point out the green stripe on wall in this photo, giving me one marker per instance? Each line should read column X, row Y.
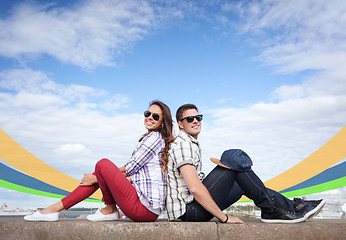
column 335, row 184
column 19, row 188
column 331, row 185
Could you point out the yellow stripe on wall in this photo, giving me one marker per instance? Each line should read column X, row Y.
column 15, row 155
column 328, row 155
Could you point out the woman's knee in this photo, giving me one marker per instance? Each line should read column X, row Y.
column 103, row 163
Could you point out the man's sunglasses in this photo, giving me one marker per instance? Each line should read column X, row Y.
column 189, row 119
column 156, row 116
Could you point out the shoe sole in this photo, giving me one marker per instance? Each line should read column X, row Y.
column 30, row 218
column 307, row 216
column 100, row 217
column 315, row 211
column 41, row 220
column 102, row 220
column 298, row 220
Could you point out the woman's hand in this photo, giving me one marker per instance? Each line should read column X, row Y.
column 88, row 180
column 123, row 170
column 234, row 220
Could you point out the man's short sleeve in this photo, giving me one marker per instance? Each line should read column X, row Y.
column 184, row 154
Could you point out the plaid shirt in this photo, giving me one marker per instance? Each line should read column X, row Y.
column 144, row 168
column 184, row 150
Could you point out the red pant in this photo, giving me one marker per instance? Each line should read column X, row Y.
column 116, row 189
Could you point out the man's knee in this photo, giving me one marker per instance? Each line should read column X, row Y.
column 236, row 159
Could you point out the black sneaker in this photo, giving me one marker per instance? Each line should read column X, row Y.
column 281, row 215
column 309, row 208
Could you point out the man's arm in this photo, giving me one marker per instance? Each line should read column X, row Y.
column 202, row 195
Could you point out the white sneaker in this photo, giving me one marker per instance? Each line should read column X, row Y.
column 37, row 216
column 99, row 216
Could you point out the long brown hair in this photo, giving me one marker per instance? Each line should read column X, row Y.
column 166, row 130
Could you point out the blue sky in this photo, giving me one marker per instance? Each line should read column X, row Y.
column 76, row 76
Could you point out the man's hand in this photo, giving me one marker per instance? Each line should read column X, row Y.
column 88, row 180
column 234, row 220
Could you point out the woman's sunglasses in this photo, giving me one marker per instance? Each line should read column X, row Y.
column 189, row 119
column 156, row 116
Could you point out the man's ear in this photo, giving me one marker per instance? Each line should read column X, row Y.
column 180, row 125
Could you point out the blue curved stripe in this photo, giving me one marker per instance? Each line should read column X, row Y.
column 328, row 175
column 13, row 176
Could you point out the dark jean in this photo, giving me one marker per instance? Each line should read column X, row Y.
column 227, row 186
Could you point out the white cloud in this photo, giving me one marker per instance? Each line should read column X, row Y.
column 37, row 85
column 66, row 124
column 87, row 34
column 296, row 120
column 70, row 149
column 27, row 80
column 276, row 135
column 293, row 36
column 116, row 102
column 298, row 35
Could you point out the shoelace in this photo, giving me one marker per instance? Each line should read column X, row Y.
column 282, row 209
column 299, row 204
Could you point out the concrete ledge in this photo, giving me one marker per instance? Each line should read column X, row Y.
column 315, row 229
column 16, row 228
